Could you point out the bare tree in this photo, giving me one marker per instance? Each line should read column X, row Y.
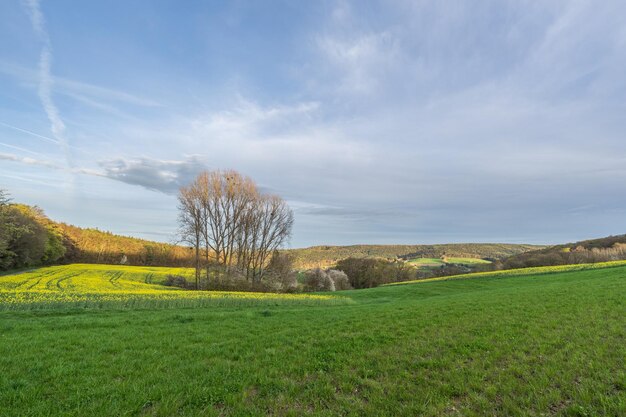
column 190, row 223
column 224, row 215
column 267, row 227
column 225, row 198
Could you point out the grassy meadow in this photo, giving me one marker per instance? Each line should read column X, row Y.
column 542, row 343
column 437, row 262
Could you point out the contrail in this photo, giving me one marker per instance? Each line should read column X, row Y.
column 45, row 78
column 19, row 148
column 19, row 129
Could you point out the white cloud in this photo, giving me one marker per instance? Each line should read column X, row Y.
column 165, row 176
column 360, row 61
column 159, row 175
column 29, row 161
column 248, row 116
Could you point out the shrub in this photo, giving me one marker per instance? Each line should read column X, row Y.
column 318, row 280
column 286, row 282
column 280, row 275
column 176, row 281
column 340, row 279
column 330, row 280
column 369, row 273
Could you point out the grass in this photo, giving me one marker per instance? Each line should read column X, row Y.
column 467, row 261
column 541, row 344
column 426, row 262
column 541, row 270
column 435, row 262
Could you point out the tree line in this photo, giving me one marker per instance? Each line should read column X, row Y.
column 27, row 236
column 233, row 227
column 611, row 248
column 97, row 246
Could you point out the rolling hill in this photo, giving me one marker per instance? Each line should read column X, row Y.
column 540, row 342
column 88, row 245
column 327, row 256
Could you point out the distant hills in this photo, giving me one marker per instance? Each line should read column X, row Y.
column 96, row 246
column 86, row 245
column 327, row 256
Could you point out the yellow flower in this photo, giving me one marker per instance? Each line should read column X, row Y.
column 112, row 286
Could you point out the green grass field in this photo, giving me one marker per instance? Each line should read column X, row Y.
column 436, row 262
column 552, row 342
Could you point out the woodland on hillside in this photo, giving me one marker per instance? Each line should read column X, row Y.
column 328, row 256
column 237, row 250
column 29, row 238
column 611, row 248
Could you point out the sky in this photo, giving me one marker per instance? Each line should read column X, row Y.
column 378, row 121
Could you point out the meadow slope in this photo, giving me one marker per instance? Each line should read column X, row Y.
column 549, row 343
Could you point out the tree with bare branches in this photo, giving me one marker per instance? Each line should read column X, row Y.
column 190, row 224
column 223, row 215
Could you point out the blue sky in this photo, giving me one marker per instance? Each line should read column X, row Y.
column 379, row 122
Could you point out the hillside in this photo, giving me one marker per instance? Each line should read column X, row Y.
column 87, row 245
column 327, row 256
column 97, row 246
column 611, row 248
column 29, row 238
column 528, row 344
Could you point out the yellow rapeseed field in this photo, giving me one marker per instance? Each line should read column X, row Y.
column 112, row 286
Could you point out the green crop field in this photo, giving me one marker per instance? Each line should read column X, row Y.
column 466, row 261
column 539, row 343
column 426, row 262
column 435, row 262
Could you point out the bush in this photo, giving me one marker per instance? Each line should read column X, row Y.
column 286, row 282
column 318, row 280
column 330, row 280
column 340, row 279
column 280, row 275
column 369, row 273
column 177, row 281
